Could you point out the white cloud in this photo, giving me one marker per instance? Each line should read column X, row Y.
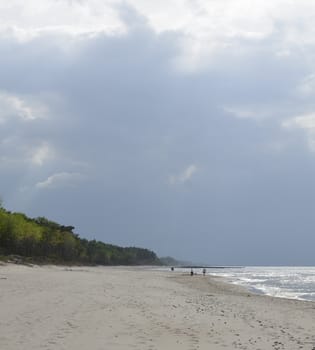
column 42, row 154
column 207, row 27
column 14, row 106
column 259, row 112
column 213, row 27
column 20, row 118
column 184, row 176
column 305, row 122
column 63, row 179
column 307, row 86
column 241, row 112
column 26, row 20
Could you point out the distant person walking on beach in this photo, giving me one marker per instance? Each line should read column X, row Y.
column 191, row 272
column 204, row 271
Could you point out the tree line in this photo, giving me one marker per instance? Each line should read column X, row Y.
column 45, row 241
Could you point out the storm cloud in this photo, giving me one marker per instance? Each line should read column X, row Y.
column 190, row 131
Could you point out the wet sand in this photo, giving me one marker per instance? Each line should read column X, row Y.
column 98, row 308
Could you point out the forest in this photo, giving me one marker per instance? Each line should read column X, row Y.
column 40, row 240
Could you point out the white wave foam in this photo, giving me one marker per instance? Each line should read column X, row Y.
column 284, row 282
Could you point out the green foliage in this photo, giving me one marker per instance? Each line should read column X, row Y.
column 47, row 241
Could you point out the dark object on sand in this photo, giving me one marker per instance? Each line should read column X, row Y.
column 204, row 271
column 172, row 268
column 191, row 272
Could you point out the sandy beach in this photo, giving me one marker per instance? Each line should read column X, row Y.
column 98, row 308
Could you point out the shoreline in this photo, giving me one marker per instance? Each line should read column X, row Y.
column 228, row 287
column 275, row 291
column 118, row 308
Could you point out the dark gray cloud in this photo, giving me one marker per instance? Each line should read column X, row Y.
column 105, row 133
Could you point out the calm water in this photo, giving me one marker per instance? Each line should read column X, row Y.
column 285, row 282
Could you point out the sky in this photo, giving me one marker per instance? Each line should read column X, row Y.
column 186, row 127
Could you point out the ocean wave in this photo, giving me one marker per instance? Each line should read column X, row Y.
column 283, row 282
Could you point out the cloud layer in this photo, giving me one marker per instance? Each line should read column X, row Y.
column 189, row 131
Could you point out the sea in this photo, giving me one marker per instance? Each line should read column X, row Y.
column 283, row 282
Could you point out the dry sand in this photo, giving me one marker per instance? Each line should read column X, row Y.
column 97, row 308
